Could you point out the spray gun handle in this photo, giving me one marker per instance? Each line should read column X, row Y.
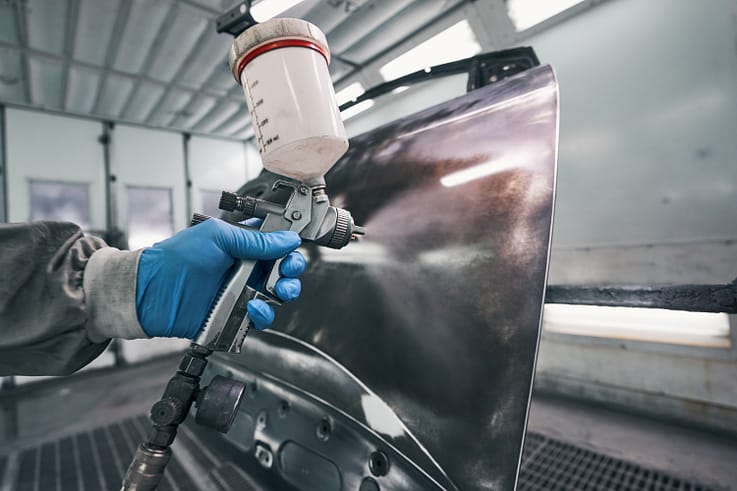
column 227, row 322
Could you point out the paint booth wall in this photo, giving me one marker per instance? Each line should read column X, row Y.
column 56, row 170
column 647, row 192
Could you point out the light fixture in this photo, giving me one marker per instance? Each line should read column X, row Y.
column 639, row 324
column 527, row 13
column 349, row 93
column 266, row 9
column 358, row 108
column 454, row 43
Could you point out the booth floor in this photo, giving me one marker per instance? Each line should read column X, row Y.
column 79, row 433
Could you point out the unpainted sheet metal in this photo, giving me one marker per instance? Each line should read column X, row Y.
column 426, row 331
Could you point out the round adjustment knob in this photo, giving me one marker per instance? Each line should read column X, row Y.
column 218, row 403
column 342, row 230
column 198, row 218
column 228, row 201
column 167, row 411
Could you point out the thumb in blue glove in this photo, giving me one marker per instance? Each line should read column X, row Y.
column 179, row 277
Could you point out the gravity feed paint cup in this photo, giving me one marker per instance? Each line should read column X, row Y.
column 282, row 65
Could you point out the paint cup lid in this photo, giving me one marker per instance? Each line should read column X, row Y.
column 273, row 34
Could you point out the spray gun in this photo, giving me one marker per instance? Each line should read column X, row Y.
column 282, row 66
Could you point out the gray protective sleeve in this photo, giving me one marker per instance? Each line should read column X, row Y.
column 63, row 295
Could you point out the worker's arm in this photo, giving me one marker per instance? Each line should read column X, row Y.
column 64, row 295
column 47, row 325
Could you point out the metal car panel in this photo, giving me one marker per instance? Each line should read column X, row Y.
column 424, row 333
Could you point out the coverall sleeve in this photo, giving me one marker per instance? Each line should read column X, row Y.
column 63, row 295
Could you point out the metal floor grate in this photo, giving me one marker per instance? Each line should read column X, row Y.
column 553, row 465
column 96, row 460
column 92, row 460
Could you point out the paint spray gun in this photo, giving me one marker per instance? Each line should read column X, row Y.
column 282, row 65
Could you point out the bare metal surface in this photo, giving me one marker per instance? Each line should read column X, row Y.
column 436, row 312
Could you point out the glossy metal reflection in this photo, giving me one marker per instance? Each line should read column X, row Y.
column 434, row 316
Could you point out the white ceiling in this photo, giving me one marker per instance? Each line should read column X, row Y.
column 160, row 63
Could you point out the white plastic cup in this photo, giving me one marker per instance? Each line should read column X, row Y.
column 282, row 65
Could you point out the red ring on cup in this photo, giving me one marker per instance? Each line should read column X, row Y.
column 280, row 43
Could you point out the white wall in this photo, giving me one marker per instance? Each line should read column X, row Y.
column 647, row 191
column 53, row 148
column 3, row 215
column 253, row 161
column 215, row 165
column 648, row 117
column 145, row 157
column 50, row 147
column 46, row 147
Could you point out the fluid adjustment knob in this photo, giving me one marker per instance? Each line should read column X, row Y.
column 218, row 403
column 232, row 202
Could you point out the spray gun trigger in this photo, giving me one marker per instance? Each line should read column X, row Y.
column 271, row 300
column 270, row 284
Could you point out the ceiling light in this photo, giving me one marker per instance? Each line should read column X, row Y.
column 349, row 93
column 455, row 43
column 266, row 9
column 358, row 108
column 639, row 324
column 527, row 13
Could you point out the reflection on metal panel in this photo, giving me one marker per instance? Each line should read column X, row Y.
column 60, row 201
column 425, row 332
column 149, row 215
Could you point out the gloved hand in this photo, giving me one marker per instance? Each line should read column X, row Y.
column 179, row 277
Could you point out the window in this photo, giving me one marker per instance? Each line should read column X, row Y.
column 149, row 215
column 61, row 201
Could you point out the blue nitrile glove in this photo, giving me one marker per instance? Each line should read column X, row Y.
column 179, row 277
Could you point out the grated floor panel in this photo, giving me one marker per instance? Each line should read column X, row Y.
column 554, row 465
column 97, row 459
